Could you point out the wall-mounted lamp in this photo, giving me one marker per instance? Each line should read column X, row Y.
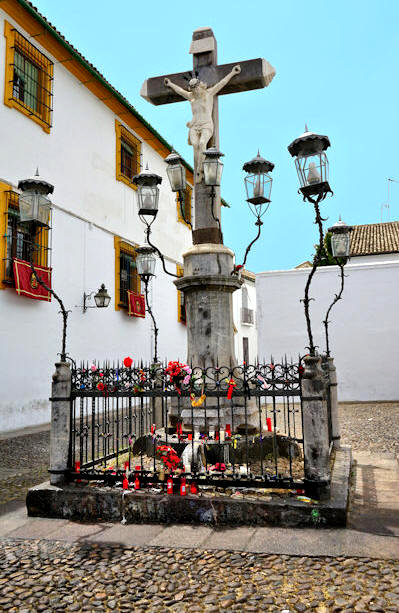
column 101, row 298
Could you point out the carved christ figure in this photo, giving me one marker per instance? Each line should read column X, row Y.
column 201, row 127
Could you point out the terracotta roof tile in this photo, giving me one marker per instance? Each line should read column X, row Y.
column 375, row 238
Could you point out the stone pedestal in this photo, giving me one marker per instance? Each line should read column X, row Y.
column 315, row 430
column 208, row 286
column 60, row 430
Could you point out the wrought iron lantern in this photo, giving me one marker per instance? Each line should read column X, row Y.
column 101, row 298
column 34, row 205
column 145, row 262
column 147, row 194
column 176, row 172
column 311, row 163
column 340, row 240
column 258, row 183
column 213, row 167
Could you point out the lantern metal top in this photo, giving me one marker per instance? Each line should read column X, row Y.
column 36, row 182
column 213, row 152
column 340, row 227
column 308, row 143
column 173, row 158
column 145, row 250
column 147, row 178
column 258, row 164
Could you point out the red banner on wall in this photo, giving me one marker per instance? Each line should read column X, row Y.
column 136, row 303
column 26, row 283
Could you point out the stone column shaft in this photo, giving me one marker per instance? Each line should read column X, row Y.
column 60, row 431
column 315, row 430
column 335, row 427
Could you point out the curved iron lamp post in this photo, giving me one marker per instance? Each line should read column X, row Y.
column 35, row 207
column 258, row 186
column 311, row 164
column 340, row 246
column 145, row 263
column 147, row 202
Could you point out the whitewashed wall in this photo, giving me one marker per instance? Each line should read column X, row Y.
column 245, row 330
column 78, row 157
column 364, row 329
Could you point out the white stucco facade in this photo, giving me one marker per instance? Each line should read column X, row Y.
column 244, row 309
column 364, row 328
column 90, row 208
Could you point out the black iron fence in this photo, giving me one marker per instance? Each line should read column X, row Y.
column 220, row 426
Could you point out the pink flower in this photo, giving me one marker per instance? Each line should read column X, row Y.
column 186, row 379
column 93, row 368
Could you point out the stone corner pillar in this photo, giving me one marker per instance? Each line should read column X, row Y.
column 315, row 430
column 60, row 430
column 332, row 390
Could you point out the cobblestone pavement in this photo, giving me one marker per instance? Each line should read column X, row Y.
column 370, row 427
column 23, row 463
column 53, row 576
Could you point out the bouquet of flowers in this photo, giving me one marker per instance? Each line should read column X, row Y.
column 168, row 456
column 178, row 374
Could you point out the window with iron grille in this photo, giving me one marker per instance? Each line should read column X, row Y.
column 126, row 276
column 128, row 151
column 181, row 303
column 186, row 206
column 29, row 78
column 21, row 240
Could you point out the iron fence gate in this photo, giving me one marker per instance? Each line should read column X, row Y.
column 220, row 426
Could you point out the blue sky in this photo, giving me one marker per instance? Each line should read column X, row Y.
column 337, row 70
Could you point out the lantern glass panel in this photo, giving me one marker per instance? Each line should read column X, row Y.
column 145, row 264
column 102, row 298
column 177, row 177
column 312, row 169
column 340, row 244
column 147, row 199
column 213, row 169
column 258, row 187
column 34, row 207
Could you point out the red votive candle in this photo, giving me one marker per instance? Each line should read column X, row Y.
column 190, row 437
column 228, row 430
column 126, row 464
column 269, row 424
column 137, row 484
column 125, row 484
column 169, row 486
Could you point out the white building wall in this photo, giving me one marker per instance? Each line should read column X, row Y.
column 381, row 257
column 364, row 328
column 90, row 207
column 245, row 330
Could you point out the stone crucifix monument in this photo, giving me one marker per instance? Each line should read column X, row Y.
column 207, row 282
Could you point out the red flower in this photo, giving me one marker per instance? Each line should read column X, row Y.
column 128, row 362
column 100, row 386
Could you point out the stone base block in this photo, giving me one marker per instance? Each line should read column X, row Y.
column 90, row 503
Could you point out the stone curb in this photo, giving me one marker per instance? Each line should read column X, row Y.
column 81, row 502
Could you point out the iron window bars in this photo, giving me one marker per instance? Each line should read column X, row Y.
column 22, row 239
column 30, row 80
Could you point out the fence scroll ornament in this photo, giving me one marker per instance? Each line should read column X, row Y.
column 221, row 426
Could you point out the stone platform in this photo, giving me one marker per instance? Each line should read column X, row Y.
column 88, row 503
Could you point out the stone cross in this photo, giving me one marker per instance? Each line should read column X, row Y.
column 219, row 80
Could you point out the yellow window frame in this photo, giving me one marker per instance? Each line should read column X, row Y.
column 15, row 41
column 8, row 198
column 180, row 295
column 122, row 246
column 188, row 194
column 123, row 134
